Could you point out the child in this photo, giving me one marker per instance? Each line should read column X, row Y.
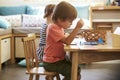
column 47, row 15
column 54, row 58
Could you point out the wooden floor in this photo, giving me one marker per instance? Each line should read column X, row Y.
column 96, row 71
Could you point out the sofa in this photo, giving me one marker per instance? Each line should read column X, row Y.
column 27, row 18
column 20, row 19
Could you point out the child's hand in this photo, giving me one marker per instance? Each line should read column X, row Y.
column 67, row 34
column 80, row 23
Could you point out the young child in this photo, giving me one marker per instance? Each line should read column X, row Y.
column 47, row 16
column 54, row 57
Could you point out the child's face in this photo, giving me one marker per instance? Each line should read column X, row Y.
column 65, row 24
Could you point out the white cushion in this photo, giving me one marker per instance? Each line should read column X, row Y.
column 85, row 26
column 14, row 20
column 32, row 20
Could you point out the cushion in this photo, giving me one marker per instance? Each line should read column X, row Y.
column 4, row 23
column 12, row 10
column 14, row 20
column 32, row 20
column 32, row 10
column 83, row 11
column 23, row 63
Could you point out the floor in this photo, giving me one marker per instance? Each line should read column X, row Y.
column 96, row 71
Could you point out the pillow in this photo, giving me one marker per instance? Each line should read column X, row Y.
column 4, row 23
column 14, row 20
column 12, row 10
column 23, row 63
column 32, row 20
column 32, row 10
column 83, row 11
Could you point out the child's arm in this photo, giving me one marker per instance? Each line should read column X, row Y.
column 67, row 40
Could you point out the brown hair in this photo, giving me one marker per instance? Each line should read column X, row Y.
column 48, row 10
column 64, row 11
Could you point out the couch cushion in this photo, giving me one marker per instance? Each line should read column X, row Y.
column 4, row 23
column 14, row 20
column 23, row 63
column 32, row 20
column 83, row 11
column 12, row 10
column 26, row 30
column 34, row 10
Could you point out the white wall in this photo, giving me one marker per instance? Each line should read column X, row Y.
column 22, row 2
column 10, row 2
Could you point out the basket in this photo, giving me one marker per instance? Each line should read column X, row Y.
column 94, row 35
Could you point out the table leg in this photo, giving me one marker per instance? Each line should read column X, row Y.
column 0, row 56
column 74, row 66
column 0, row 66
column 12, row 50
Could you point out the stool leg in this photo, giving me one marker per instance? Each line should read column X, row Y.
column 57, row 76
column 48, row 77
column 37, row 77
column 31, row 77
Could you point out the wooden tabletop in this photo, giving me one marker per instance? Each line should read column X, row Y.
column 99, row 47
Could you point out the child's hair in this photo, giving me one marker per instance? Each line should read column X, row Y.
column 64, row 11
column 48, row 10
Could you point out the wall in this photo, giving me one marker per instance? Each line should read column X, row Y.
column 22, row 2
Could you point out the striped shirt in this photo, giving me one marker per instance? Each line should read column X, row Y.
column 40, row 50
column 43, row 34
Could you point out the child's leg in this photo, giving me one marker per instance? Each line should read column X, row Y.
column 79, row 75
column 63, row 67
column 65, row 70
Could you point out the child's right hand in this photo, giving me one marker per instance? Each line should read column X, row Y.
column 80, row 23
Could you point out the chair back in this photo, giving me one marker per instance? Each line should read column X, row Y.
column 30, row 51
column 32, row 61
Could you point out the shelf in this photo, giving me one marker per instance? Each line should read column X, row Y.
column 105, row 17
column 104, row 25
column 106, row 8
column 106, row 20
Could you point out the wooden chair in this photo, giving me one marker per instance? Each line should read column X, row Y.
column 32, row 61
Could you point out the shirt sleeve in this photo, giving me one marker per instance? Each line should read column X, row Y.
column 56, row 32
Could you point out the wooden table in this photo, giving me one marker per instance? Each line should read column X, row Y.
column 91, row 53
